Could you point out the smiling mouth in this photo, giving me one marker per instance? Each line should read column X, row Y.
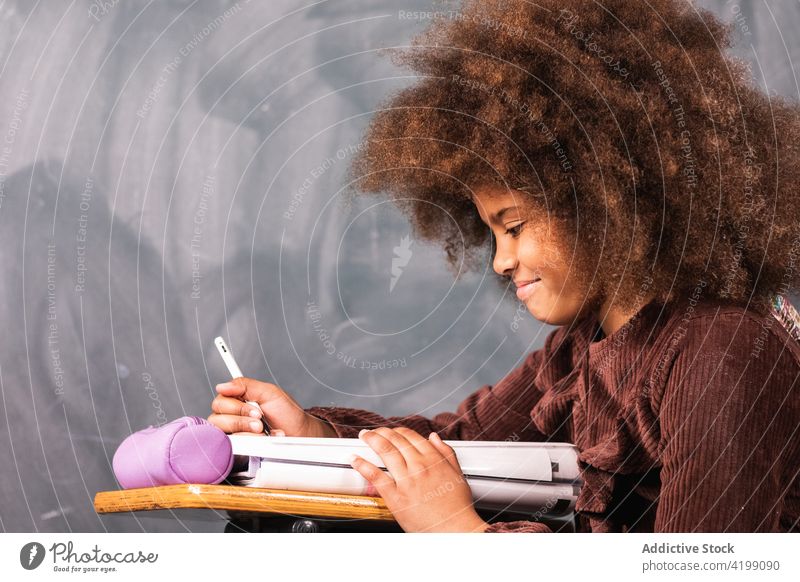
column 522, row 284
column 526, row 288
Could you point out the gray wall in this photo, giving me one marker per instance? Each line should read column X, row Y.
column 150, row 151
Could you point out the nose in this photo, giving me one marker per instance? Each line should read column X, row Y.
column 505, row 261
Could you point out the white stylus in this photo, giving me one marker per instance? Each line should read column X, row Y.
column 233, row 368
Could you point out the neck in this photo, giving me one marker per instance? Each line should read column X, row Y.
column 612, row 317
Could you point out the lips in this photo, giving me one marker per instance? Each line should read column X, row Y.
column 526, row 288
column 528, row 282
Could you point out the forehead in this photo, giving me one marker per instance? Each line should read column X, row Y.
column 492, row 199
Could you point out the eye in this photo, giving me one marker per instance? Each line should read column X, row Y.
column 515, row 230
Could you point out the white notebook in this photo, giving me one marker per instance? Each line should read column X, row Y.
column 539, row 477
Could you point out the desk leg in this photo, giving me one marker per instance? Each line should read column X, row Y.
column 276, row 523
column 259, row 523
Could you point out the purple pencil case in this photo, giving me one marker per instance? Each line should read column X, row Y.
column 187, row 450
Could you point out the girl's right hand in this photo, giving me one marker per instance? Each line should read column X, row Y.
column 232, row 414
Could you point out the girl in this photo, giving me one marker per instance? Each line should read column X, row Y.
column 640, row 193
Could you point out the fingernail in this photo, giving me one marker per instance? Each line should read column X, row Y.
column 362, row 431
column 256, row 426
column 352, row 459
column 222, row 386
column 255, row 413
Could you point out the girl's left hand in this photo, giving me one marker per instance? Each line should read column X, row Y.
column 424, row 488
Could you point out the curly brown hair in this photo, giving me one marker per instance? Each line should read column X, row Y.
column 625, row 122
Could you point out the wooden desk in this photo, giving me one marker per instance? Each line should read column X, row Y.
column 243, row 499
column 273, row 510
column 300, row 507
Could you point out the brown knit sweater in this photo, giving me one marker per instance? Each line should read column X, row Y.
column 686, row 419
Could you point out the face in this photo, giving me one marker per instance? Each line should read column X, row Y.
column 529, row 253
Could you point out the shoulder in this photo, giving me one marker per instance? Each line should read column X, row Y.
column 734, row 329
column 719, row 347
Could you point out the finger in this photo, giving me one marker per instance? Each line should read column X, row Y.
column 234, row 406
column 277, row 432
column 249, row 389
column 389, row 454
column 233, row 423
column 430, row 456
column 422, row 444
column 446, row 450
column 380, row 480
column 406, row 448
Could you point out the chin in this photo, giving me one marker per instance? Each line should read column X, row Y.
column 537, row 312
column 551, row 315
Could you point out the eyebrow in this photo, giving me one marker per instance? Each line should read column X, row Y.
column 499, row 215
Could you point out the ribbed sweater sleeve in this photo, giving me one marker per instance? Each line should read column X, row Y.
column 493, row 413
column 728, row 440
column 517, row 527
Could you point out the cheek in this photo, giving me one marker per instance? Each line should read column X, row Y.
column 541, row 241
column 530, row 255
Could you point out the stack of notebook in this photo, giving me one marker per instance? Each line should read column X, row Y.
column 538, row 477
